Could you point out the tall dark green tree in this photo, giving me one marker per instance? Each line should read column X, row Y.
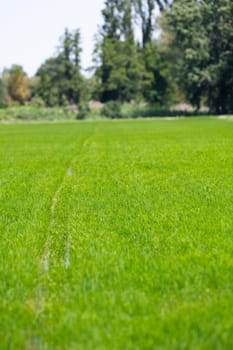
column 118, row 67
column 155, row 81
column 66, row 53
column 203, row 31
column 51, row 82
column 79, row 86
column 145, row 14
column 60, row 78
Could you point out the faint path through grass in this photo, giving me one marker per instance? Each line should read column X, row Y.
column 51, row 234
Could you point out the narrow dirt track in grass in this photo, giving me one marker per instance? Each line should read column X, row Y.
column 51, row 235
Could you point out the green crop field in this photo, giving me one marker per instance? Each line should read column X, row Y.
column 117, row 235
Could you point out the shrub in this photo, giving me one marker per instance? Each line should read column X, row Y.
column 83, row 111
column 37, row 101
column 112, row 109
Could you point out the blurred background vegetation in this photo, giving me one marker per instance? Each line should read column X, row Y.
column 151, row 58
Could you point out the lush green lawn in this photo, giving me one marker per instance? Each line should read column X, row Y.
column 117, row 235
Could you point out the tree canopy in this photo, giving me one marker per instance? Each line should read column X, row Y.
column 60, row 78
column 203, row 33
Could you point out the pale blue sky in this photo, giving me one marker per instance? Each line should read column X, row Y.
column 30, row 29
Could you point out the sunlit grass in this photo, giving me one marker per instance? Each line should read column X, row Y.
column 117, row 235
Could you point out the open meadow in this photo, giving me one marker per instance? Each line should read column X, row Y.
column 117, row 235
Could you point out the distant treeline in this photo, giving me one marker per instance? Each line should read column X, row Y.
column 160, row 52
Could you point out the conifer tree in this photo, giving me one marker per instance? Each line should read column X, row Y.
column 61, row 81
column 119, row 66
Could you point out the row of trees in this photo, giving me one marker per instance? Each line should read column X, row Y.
column 130, row 66
column 159, row 51
column 58, row 81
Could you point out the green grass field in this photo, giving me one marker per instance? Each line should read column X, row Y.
column 117, row 235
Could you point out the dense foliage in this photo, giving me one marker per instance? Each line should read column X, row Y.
column 14, row 86
column 60, row 79
column 203, row 33
column 130, row 68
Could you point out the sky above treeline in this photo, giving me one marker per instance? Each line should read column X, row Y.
column 30, row 29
